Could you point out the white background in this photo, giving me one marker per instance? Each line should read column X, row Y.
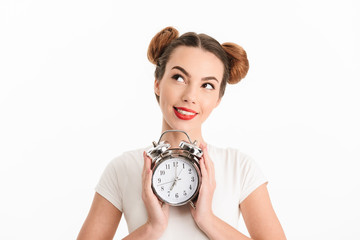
column 76, row 90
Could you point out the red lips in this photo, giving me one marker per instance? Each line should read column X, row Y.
column 180, row 113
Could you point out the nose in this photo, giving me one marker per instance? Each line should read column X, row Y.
column 190, row 94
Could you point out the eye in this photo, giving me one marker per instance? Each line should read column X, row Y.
column 208, row 86
column 178, row 78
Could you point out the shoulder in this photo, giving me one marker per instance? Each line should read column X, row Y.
column 128, row 159
column 228, row 154
column 129, row 155
column 233, row 160
column 118, row 170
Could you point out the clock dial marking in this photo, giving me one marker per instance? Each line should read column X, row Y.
column 170, row 187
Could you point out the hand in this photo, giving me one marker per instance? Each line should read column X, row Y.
column 158, row 212
column 203, row 211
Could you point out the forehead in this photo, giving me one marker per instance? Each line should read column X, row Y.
column 197, row 61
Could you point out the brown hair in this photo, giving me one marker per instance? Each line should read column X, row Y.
column 234, row 58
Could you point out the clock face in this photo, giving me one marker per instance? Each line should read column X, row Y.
column 175, row 180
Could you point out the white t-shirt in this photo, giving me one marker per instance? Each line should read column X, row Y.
column 236, row 175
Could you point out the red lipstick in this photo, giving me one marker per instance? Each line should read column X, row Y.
column 180, row 113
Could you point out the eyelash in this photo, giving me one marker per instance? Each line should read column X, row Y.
column 212, row 86
column 177, row 76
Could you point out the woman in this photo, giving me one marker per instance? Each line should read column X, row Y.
column 190, row 79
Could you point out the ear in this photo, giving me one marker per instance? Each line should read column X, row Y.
column 157, row 87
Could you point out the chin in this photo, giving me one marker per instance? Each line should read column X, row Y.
column 188, row 128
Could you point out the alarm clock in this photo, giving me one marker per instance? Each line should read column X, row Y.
column 176, row 177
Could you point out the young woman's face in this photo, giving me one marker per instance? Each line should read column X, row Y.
column 189, row 89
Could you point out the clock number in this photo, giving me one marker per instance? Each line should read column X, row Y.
column 162, row 188
column 159, row 180
column 193, row 179
column 168, row 193
column 184, row 165
column 175, row 164
column 189, row 170
column 176, row 195
column 162, row 172
column 184, row 193
column 167, row 166
column 190, row 187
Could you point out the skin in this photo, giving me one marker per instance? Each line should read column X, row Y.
column 192, row 80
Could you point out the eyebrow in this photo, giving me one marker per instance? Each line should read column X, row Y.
column 189, row 76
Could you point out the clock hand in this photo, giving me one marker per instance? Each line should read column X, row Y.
column 172, row 186
column 165, row 183
column 179, row 174
column 176, row 177
column 168, row 182
column 176, row 170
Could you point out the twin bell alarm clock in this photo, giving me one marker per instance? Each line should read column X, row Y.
column 176, row 177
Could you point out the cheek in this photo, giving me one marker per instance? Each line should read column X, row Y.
column 208, row 107
column 169, row 93
column 167, row 97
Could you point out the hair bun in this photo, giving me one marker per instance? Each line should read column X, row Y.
column 159, row 42
column 238, row 62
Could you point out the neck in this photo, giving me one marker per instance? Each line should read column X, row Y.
column 174, row 138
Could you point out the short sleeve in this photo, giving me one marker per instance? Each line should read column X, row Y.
column 109, row 186
column 251, row 177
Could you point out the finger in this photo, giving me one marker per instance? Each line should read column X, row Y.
column 203, row 169
column 209, row 164
column 207, row 161
column 192, row 209
column 147, row 178
column 149, row 196
column 147, row 161
column 203, row 147
column 147, row 173
column 165, row 207
column 144, row 167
